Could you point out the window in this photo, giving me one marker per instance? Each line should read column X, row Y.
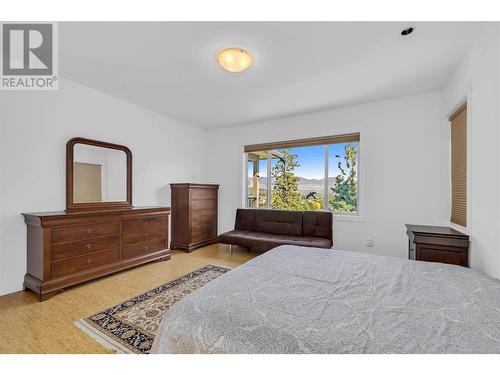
column 343, row 183
column 257, row 179
column 308, row 174
column 459, row 167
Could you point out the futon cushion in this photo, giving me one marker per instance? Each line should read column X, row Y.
column 265, row 241
column 279, row 222
column 245, row 220
column 317, row 224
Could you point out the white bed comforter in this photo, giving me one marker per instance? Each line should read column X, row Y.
column 306, row 300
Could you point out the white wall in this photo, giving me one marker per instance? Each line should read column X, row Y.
column 400, row 166
column 35, row 127
column 478, row 79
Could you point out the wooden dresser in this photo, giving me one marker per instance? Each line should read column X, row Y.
column 437, row 244
column 194, row 215
column 67, row 248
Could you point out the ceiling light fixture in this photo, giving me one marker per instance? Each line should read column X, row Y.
column 407, row 31
column 234, row 59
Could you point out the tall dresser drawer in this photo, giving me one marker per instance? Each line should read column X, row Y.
column 208, row 204
column 83, row 232
column 144, row 224
column 203, row 212
column 72, row 249
column 204, row 221
column 203, row 194
column 200, row 235
column 69, row 266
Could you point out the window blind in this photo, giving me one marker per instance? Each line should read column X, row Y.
column 354, row 137
column 459, row 167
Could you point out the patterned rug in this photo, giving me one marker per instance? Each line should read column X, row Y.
column 130, row 326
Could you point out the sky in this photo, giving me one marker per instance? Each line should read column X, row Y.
column 312, row 164
column 311, row 160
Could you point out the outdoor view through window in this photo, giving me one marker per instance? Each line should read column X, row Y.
column 316, row 177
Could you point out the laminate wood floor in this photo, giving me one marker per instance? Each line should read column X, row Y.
column 29, row 326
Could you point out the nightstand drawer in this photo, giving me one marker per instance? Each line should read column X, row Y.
column 433, row 255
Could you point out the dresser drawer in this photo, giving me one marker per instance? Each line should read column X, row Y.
column 69, row 266
column 143, row 248
column 72, row 249
column 83, row 232
column 131, row 238
column 144, row 224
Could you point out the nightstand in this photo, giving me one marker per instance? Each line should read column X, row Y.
column 437, row 244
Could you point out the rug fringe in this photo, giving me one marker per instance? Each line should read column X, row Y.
column 97, row 336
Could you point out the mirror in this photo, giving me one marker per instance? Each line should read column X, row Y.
column 98, row 175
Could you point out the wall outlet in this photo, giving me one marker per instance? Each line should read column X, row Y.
column 370, row 242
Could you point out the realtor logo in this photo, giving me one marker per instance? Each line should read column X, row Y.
column 29, row 56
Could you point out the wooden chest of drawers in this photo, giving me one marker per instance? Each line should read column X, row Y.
column 437, row 244
column 65, row 249
column 194, row 215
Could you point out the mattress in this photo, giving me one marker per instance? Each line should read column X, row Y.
column 308, row 300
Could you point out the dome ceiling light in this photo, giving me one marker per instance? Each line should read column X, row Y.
column 234, row 59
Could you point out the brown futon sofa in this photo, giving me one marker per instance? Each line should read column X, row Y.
column 263, row 229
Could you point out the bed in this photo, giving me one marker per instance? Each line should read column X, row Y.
column 308, row 300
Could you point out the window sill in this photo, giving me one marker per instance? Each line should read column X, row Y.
column 358, row 218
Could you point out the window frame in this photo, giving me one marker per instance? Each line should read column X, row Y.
column 340, row 216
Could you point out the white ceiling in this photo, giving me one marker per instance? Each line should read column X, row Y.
column 170, row 68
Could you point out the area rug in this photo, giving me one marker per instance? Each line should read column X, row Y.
column 130, row 327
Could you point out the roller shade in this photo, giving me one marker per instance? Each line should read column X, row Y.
column 459, row 167
column 354, row 137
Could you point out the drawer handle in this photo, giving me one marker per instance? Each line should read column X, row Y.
column 89, row 260
column 89, row 245
column 89, row 231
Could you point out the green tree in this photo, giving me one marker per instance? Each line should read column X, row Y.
column 344, row 196
column 285, row 191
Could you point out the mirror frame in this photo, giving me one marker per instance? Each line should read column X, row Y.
column 70, row 204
